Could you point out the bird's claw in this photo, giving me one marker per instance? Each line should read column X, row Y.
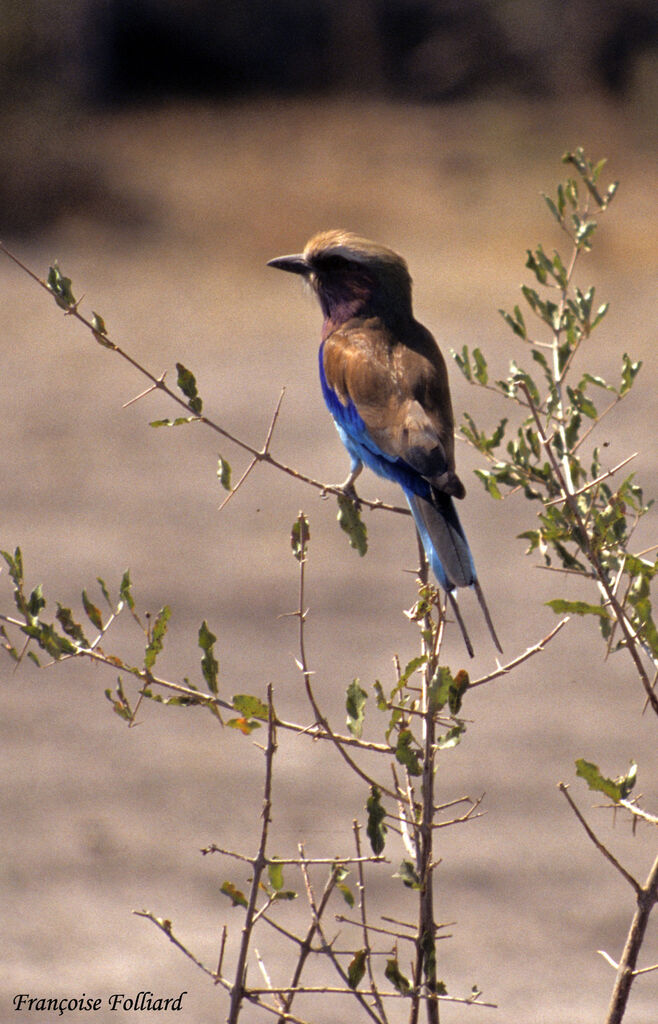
column 349, row 490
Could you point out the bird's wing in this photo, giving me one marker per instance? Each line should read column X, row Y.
column 400, row 398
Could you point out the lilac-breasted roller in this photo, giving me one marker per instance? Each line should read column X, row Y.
column 386, row 386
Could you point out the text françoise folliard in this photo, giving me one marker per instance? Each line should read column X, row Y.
column 84, row 1003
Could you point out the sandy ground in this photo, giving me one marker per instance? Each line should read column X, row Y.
column 99, row 820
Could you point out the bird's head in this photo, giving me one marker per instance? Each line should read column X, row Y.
column 352, row 276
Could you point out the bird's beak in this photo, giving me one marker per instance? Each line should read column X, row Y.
column 295, row 264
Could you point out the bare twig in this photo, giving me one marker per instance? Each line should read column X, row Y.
column 425, row 958
column 269, row 861
column 302, row 664
column 336, row 990
column 635, row 885
column 159, row 383
column 365, row 925
column 503, row 670
column 328, row 950
column 594, row 483
column 647, row 897
column 638, row 812
column 165, row 926
column 259, row 864
column 306, row 944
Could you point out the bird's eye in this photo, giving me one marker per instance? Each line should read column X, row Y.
column 332, row 263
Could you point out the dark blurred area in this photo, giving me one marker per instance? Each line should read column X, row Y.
column 61, row 64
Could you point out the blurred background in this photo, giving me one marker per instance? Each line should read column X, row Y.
column 163, row 151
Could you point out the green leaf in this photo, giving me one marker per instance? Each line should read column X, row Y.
column 92, row 612
column 355, row 705
column 600, row 313
column 559, row 270
column 299, row 537
column 440, row 688
column 584, row 230
column 536, row 265
column 275, row 875
column 356, row 968
column 65, row 618
column 124, row 590
column 250, row 706
column 346, row 893
column 60, row 286
column 397, row 979
column 407, row 752
column 15, row 566
column 349, row 519
column 224, row 473
column 629, row 372
column 340, row 873
column 410, row 877
column 489, row 480
column 516, row 322
column 244, row 725
column 639, row 597
column 174, row 423
column 100, row 331
column 376, row 829
column 49, row 640
column 428, row 949
column 98, row 323
column 187, row 384
column 480, row 373
column 451, row 738
column 104, row 591
column 553, row 208
column 120, row 703
column 463, row 361
column 617, row 789
column 571, row 192
column 36, row 602
column 158, row 632
column 209, row 665
column 237, row 898
column 582, row 403
column 599, row 382
column 410, row 669
column 562, row 607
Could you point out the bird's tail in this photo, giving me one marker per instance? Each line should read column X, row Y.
column 448, row 553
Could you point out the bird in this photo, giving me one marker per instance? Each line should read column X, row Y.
column 385, row 383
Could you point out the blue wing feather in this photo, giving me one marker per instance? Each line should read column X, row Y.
column 354, row 435
column 435, row 514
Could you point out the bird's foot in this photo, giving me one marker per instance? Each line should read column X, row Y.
column 347, row 488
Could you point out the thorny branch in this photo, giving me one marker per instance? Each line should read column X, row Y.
column 602, row 577
column 415, row 831
column 635, row 885
column 259, row 864
column 262, row 454
column 646, row 898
